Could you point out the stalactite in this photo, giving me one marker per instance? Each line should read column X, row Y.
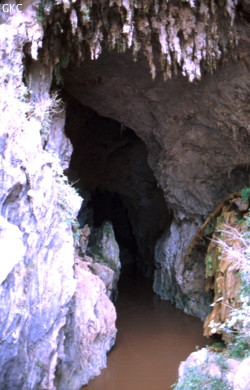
column 192, row 35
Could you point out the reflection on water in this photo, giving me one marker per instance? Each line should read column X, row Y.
column 153, row 337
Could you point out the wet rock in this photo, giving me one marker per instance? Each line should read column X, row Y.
column 105, row 253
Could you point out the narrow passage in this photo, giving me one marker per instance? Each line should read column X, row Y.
column 153, row 338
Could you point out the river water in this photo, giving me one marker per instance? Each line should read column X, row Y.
column 153, row 338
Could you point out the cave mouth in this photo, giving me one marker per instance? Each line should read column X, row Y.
column 110, row 170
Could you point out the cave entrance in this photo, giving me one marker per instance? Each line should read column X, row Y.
column 110, row 170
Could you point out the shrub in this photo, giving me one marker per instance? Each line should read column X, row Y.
column 245, row 194
column 67, row 199
column 44, row 112
column 197, row 378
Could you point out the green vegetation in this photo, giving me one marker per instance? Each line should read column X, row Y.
column 102, row 240
column 103, row 260
column 45, row 110
column 68, row 201
column 240, row 348
column 245, row 194
column 197, row 378
column 39, row 364
column 43, row 10
column 40, row 13
column 209, row 265
column 85, row 11
column 75, row 229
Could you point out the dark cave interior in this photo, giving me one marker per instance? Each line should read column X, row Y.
column 110, row 170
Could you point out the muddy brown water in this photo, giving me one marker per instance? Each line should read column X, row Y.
column 153, row 338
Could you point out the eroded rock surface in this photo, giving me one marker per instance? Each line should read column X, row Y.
column 36, row 241
column 89, row 333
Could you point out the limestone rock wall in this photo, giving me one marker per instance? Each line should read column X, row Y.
column 89, row 333
column 38, row 207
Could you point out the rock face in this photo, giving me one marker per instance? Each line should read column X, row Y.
column 197, row 138
column 40, row 297
column 89, row 333
column 36, row 241
column 170, row 271
column 206, row 369
column 54, row 331
column 105, row 253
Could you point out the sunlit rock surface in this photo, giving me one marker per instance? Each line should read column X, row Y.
column 212, row 370
column 89, row 334
column 37, row 249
